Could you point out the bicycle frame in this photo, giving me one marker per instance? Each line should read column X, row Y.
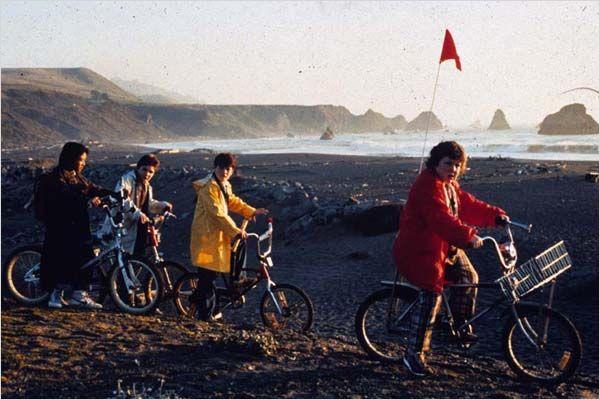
column 265, row 262
column 507, row 256
column 129, row 277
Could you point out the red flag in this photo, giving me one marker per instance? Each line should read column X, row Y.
column 449, row 50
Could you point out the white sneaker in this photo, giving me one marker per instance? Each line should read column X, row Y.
column 80, row 298
column 56, row 300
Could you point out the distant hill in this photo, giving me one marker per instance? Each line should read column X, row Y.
column 76, row 81
column 154, row 94
column 48, row 106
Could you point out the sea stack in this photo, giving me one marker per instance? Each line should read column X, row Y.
column 499, row 122
column 570, row 120
column 327, row 135
column 420, row 123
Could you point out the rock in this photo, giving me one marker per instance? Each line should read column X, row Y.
column 570, row 120
column 499, row 121
column 591, row 177
column 376, row 220
column 202, row 151
column 476, row 125
column 327, row 135
column 420, row 123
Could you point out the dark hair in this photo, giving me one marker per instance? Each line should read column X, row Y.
column 148, row 159
column 69, row 155
column 450, row 149
column 225, row 160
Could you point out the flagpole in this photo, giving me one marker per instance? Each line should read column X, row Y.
column 429, row 117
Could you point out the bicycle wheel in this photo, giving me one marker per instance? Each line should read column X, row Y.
column 21, row 275
column 144, row 296
column 184, row 287
column 382, row 325
column 171, row 272
column 288, row 308
column 554, row 360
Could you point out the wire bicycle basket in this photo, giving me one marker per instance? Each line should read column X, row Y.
column 536, row 272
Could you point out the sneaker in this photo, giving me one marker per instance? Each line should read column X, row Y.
column 56, row 300
column 416, row 366
column 80, row 298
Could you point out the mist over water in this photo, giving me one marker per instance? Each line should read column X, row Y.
column 513, row 144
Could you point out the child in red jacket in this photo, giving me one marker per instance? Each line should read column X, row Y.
column 435, row 227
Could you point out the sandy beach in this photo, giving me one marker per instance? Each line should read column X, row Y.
column 68, row 353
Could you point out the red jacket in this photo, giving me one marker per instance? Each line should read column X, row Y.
column 428, row 228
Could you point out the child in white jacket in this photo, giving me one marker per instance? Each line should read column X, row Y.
column 140, row 202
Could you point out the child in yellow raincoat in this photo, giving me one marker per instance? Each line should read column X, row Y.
column 213, row 229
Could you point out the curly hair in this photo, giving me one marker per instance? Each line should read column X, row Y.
column 450, row 149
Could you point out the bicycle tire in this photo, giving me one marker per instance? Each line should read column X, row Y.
column 145, row 272
column 374, row 334
column 14, row 280
column 171, row 272
column 566, row 349
column 184, row 287
column 283, row 292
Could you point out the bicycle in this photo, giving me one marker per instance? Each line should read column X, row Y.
column 125, row 278
column 282, row 306
column 538, row 342
column 171, row 271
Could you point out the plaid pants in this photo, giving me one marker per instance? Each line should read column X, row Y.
column 462, row 304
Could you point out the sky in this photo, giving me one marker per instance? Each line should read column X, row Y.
column 517, row 56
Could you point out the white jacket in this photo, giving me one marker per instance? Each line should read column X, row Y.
column 130, row 222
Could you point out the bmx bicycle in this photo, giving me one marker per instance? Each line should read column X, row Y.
column 538, row 342
column 127, row 279
column 282, row 306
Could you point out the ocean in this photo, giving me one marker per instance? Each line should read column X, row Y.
column 513, row 144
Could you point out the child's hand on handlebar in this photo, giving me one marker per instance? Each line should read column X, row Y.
column 259, row 211
column 476, row 242
column 243, row 234
column 502, row 220
column 144, row 218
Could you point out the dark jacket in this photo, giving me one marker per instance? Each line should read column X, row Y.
column 428, row 227
column 68, row 240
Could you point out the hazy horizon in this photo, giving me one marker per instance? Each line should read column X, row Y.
column 383, row 56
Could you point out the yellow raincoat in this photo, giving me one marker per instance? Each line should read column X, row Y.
column 213, row 228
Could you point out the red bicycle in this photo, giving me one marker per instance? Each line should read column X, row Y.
column 282, row 307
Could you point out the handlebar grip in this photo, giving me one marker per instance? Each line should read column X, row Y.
column 525, row 227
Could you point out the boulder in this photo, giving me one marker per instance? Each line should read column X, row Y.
column 499, row 122
column 570, row 120
column 377, row 220
column 327, row 135
column 420, row 123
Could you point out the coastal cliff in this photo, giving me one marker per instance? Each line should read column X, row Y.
column 43, row 107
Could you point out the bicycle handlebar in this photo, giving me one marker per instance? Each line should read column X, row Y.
column 507, row 223
column 268, row 234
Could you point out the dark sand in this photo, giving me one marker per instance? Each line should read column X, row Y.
column 83, row 354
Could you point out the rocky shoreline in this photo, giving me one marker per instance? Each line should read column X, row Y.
column 316, row 201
